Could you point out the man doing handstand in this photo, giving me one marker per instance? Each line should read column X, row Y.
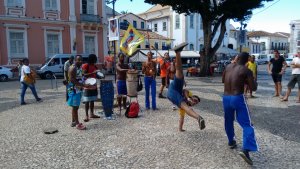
column 180, row 97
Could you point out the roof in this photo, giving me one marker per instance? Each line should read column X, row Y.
column 124, row 15
column 152, row 35
column 156, row 8
column 264, row 33
column 283, row 33
column 160, row 16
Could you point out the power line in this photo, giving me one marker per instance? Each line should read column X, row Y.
column 266, row 8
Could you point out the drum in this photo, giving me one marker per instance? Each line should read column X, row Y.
column 107, row 96
column 132, row 83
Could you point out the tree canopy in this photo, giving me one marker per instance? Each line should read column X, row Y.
column 214, row 14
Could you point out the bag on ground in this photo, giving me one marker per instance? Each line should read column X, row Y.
column 132, row 110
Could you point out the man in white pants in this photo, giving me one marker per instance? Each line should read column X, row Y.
column 295, row 78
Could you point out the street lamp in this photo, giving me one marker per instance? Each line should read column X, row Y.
column 257, row 49
column 114, row 42
column 225, row 36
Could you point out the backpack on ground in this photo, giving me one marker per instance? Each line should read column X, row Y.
column 132, row 110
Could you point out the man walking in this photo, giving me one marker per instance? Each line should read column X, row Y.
column 149, row 69
column 278, row 67
column 295, row 78
column 234, row 78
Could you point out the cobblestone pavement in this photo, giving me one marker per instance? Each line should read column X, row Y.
column 150, row 141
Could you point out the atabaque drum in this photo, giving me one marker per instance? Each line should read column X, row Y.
column 107, row 96
column 131, row 83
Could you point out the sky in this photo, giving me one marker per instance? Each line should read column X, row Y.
column 275, row 16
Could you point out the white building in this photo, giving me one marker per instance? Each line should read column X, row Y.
column 295, row 36
column 268, row 42
column 178, row 27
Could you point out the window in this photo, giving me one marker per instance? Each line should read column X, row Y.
column 134, row 24
column 15, row 3
column 177, row 22
column 156, row 45
column 17, row 44
column 163, row 46
column 90, row 45
column 52, row 44
column 88, row 7
column 155, row 27
column 147, row 45
column 275, row 45
column 191, row 46
column 51, row 5
column 272, row 46
column 142, row 25
column 164, row 26
column 192, row 21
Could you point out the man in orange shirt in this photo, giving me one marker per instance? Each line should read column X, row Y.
column 164, row 63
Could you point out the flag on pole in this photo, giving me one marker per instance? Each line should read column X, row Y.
column 131, row 40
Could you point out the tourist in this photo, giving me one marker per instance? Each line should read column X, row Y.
column 122, row 69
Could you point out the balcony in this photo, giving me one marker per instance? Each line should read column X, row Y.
column 89, row 18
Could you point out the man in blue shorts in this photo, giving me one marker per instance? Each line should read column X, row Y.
column 178, row 96
column 234, row 103
column 122, row 69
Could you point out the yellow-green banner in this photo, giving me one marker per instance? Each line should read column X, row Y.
column 131, row 40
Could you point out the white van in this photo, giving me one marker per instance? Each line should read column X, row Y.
column 262, row 58
column 55, row 65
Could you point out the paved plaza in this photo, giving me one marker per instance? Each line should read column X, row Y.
column 150, row 141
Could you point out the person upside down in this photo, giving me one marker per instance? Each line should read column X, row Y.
column 183, row 98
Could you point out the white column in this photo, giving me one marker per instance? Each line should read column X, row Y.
column 73, row 38
column 72, row 16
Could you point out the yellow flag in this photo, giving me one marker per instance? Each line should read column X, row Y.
column 131, row 40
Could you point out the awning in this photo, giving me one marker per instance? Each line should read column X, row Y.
column 227, row 51
column 141, row 55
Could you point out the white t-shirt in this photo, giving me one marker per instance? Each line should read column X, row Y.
column 296, row 60
column 25, row 69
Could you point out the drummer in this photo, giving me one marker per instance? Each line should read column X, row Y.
column 122, row 69
column 89, row 70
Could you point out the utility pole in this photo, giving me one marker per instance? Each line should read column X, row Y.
column 113, row 42
column 241, row 28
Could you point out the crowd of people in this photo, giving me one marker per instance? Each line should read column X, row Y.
column 239, row 78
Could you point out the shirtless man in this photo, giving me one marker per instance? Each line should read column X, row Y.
column 234, row 78
column 74, row 88
column 179, row 96
column 149, row 69
column 122, row 69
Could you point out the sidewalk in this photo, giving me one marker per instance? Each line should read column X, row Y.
column 150, row 141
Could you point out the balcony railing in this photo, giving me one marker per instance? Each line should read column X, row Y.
column 89, row 18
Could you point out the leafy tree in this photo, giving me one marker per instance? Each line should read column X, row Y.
column 124, row 12
column 214, row 14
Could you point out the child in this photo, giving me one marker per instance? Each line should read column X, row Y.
column 253, row 67
column 180, row 97
column 188, row 94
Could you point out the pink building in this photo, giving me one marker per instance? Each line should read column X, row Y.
column 38, row 29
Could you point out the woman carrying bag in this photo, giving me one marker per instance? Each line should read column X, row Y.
column 27, row 80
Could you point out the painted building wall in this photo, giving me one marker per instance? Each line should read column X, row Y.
column 36, row 22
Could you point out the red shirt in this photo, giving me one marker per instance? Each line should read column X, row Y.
column 89, row 69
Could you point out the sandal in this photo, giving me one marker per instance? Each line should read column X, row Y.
column 86, row 120
column 80, row 126
column 201, row 123
column 73, row 124
column 94, row 116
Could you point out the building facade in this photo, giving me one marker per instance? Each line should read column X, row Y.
column 151, row 38
column 179, row 27
column 39, row 29
column 268, row 42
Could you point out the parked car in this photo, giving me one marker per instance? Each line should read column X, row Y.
column 55, row 65
column 262, row 58
column 5, row 74
column 288, row 61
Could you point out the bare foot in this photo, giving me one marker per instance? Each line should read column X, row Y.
column 181, row 130
column 284, row 99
